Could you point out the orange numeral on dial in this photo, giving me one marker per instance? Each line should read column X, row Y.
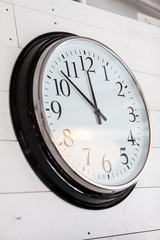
column 106, row 164
column 88, row 155
column 68, row 141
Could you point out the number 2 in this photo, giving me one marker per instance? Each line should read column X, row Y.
column 90, row 60
column 120, row 94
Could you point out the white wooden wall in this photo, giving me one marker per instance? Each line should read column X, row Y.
column 28, row 210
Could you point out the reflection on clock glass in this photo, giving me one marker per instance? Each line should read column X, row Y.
column 94, row 112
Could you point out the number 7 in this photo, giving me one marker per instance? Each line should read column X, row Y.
column 88, row 155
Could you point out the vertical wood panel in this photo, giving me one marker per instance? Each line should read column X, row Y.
column 16, row 175
column 8, row 56
column 7, row 25
column 36, row 24
column 6, row 128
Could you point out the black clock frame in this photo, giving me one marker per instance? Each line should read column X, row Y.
column 31, row 140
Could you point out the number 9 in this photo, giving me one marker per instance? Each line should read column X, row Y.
column 56, row 108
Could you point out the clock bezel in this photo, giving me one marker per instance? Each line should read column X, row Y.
column 31, row 139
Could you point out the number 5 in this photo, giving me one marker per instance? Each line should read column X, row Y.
column 124, row 155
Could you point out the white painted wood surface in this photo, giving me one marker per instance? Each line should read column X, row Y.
column 146, row 235
column 7, row 25
column 28, row 210
column 45, row 216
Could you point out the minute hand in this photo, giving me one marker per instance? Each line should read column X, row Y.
column 93, row 95
column 84, row 96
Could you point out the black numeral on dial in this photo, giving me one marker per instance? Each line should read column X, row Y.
column 105, row 73
column 62, row 88
column 72, row 68
column 124, row 155
column 56, row 108
column 89, row 63
column 133, row 116
column 131, row 138
column 120, row 94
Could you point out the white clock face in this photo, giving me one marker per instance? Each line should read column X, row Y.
column 92, row 113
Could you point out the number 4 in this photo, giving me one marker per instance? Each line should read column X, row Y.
column 130, row 138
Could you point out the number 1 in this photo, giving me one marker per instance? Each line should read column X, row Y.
column 74, row 69
column 105, row 73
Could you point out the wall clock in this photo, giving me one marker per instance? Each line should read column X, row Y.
column 80, row 118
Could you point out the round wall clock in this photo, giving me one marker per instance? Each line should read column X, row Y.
column 80, row 118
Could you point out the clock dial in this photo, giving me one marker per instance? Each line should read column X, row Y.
column 93, row 114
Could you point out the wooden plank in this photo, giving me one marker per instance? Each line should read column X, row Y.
column 36, row 24
column 15, row 173
column 150, row 176
column 155, row 120
column 6, row 128
column 45, row 216
column 147, row 235
column 139, row 55
column 7, row 25
column 150, row 85
column 8, row 56
column 107, row 21
column 84, row 14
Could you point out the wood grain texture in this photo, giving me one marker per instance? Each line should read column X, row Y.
column 28, row 210
column 150, row 84
column 6, row 128
column 45, row 216
column 145, row 235
column 8, row 34
column 93, row 17
column 144, row 59
column 8, row 55
column 16, row 175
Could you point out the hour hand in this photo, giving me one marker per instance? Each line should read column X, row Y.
column 97, row 111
